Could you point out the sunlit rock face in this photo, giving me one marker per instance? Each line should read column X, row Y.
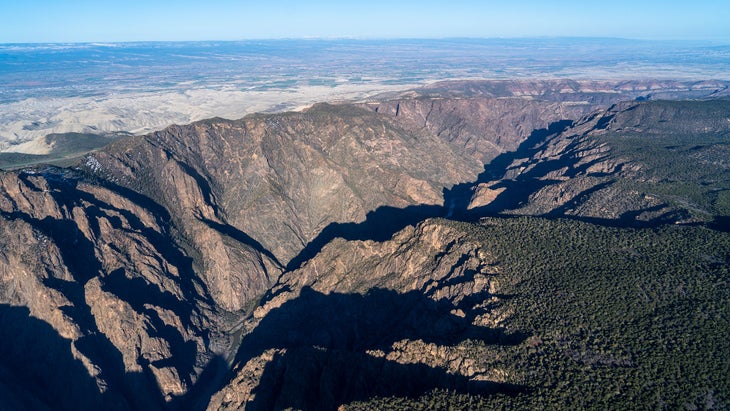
column 311, row 259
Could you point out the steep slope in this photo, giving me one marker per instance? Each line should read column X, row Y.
column 490, row 117
column 282, row 179
column 637, row 163
column 365, row 318
column 288, row 260
column 480, row 127
column 134, row 260
column 101, row 279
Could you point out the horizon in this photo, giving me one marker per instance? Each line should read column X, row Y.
column 85, row 21
column 144, row 86
column 714, row 42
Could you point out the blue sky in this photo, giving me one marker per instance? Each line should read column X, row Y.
column 142, row 20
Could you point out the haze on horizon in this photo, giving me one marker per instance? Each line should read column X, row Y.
column 141, row 87
column 57, row 21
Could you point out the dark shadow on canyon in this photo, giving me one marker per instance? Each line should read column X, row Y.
column 38, row 367
column 328, row 340
column 379, row 225
column 517, row 190
column 124, row 389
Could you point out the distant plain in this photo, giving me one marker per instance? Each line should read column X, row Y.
column 107, row 89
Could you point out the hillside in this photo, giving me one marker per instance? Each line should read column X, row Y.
column 635, row 164
column 474, row 245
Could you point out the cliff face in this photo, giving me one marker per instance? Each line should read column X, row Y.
column 292, row 260
column 480, row 127
column 488, row 118
column 128, row 314
column 145, row 256
column 632, row 164
column 281, row 179
column 430, row 296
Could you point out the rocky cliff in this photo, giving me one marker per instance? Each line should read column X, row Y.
column 417, row 320
column 293, row 259
column 635, row 164
column 128, row 315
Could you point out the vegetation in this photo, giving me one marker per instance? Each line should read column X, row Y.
column 684, row 149
column 66, row 149
column 618, row 318
column 685, row 170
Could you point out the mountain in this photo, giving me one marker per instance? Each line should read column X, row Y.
column 274, row 183
column 635, row 164
column 467, row 244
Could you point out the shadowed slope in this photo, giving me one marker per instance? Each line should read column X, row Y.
column 636, row 164
column 324, row 340
column 38, row 367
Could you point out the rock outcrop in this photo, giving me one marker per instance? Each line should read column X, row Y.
column 429, row 296
column 614, row 167
column 480, row 127
column 129, row 316
column 296, row 259
column 281, row 179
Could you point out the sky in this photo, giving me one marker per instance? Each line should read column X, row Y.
column 61, row 21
